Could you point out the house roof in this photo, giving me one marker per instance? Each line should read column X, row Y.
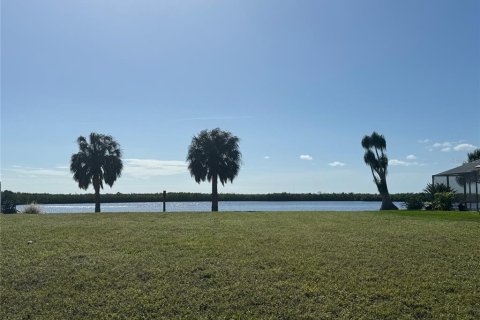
column 466, row 169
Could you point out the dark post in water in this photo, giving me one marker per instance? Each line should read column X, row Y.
column 164, row 199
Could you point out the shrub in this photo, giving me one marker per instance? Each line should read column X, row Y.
column 9, row 203
column 32, row 208
column 9, row 206
column 413, row 202
column 444, row 201
column 432, row 189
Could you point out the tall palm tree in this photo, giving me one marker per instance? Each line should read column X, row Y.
column 98, row 160
column 375, row 147
column 214, row 155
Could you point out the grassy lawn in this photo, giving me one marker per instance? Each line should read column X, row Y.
column 318, row 265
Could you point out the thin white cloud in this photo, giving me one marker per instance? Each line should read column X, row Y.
column 144, row 168
column 464, row 147
column 306, row 157
column 448, row 146
column 411, row 157
column 336, row 164
column 424, row 141
column 37, row 172
column 443, row 145
column 266, row 157
column 396, row 162
column 214, row 118
column 140, row 168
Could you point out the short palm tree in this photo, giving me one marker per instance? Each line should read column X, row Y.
column 474, row 155
column 98, row 160
column 431, row 189
column 463, row 180
column 214, row 155
column 375, row 147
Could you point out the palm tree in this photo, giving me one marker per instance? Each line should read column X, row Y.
column 214, row 155
column 431, row 189
column 471, row 156
column 97, row 161
column 375, row 157
column 474, row 155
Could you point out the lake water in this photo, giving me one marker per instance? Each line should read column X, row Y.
column 223, row 206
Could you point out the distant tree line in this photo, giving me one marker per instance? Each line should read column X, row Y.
column 47, row 198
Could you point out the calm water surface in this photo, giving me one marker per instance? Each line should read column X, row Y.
column 223, row 206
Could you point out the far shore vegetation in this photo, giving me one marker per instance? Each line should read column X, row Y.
column 21, row 198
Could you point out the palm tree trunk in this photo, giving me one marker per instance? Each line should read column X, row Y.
column 214, row 194
column 97, row 198
column 387, row 203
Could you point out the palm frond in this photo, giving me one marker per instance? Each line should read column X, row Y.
column 366, row 142
column 378, row 141
column 474, row 155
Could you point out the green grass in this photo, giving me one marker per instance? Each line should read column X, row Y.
column 319, row 265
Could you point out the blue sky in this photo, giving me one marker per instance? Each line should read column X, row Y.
column 300, row 82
